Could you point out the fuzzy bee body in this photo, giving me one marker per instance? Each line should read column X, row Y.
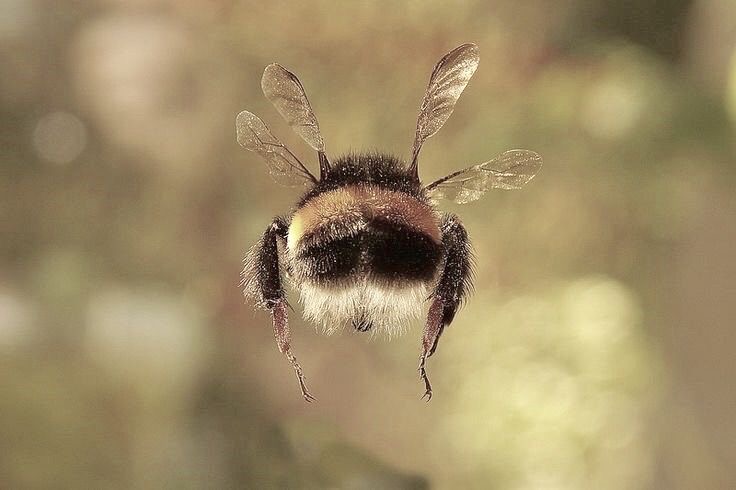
column 365, row 249
column 366, row 245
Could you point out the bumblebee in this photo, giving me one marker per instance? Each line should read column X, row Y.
column 365, row 245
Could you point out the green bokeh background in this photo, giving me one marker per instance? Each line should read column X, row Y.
column 596, row 352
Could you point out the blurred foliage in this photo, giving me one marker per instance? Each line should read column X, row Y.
column 596, row 352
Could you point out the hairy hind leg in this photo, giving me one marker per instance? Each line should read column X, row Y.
column 453, row 286
column 267, row 272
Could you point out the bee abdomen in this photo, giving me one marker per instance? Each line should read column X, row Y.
column 332, row 259
column 384, row 250
column 399, row 251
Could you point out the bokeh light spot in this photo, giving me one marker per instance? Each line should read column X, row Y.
column 59, row 137
column 611, row 109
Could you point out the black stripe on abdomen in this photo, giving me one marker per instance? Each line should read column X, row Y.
column 387, row 250
column 332, row 259
column 397, row 251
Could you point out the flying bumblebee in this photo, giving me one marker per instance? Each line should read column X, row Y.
column 365, row 245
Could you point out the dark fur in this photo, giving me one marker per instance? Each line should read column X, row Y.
column 362, row 325
column 267, row 266
column 456, row 281
column 399, row 252
column 333, row 259
column 379, row 169
column 389, row 251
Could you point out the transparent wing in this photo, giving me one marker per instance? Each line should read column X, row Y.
column 286, row 93
column 448, row 80
column 510, row 170
column 285, row 168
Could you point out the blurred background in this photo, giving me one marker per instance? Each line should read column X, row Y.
column 597, row 351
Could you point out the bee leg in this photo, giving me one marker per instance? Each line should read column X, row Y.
column 453, row 286
column 432, row 330
column 273, row 296
column 283, row 339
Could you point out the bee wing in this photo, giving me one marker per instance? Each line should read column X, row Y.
column 286, row 93
column 510, row 170
column 285, row 168
column 448, row 80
